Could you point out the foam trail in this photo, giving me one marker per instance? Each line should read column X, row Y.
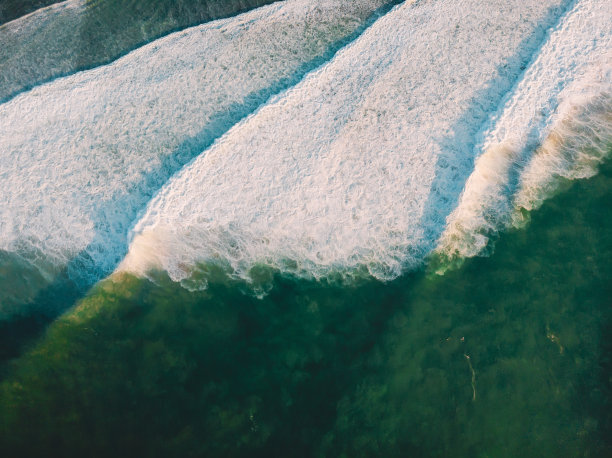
column 79, row 157
column 357, row 165
column 555, row 124
column 579, row 140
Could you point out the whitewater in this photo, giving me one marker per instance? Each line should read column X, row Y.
column 556, row 123
column 266, row 200
column 357, row 168
column 82, row 155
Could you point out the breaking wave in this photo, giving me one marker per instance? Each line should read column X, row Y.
column 355, row 169
column 557, row 123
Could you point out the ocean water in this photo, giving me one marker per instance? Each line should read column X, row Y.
column 13, row 9
column 95, row 146
column 507, row 355
column 316, row 229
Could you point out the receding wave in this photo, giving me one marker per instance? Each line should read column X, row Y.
column 556, row 124
column 356, row 168
column 82, row 155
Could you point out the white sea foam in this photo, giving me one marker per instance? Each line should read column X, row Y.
column 580, row 139
column 80, row 156
column 360, row 163
column 556, row 123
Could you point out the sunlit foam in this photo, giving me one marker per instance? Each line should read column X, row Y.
column 574, row 149
column 556, row 123
column 355, row 168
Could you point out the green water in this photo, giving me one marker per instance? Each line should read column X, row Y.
column 508, row 355
column 101, row 31
column 12, row 9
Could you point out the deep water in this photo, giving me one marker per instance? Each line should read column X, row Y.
column 507, row 355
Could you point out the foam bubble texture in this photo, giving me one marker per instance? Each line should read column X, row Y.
column 359, row 164
column 82, row 155
column 556, row 123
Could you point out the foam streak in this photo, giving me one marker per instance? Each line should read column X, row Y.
column 82, row 155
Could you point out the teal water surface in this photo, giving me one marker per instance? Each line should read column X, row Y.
column 12, row 9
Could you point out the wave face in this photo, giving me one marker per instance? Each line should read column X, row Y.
column 39, row 46
column 555, row 124
column 356, row 168
column 81, row 156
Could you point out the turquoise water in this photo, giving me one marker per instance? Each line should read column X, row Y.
column 506, row 355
